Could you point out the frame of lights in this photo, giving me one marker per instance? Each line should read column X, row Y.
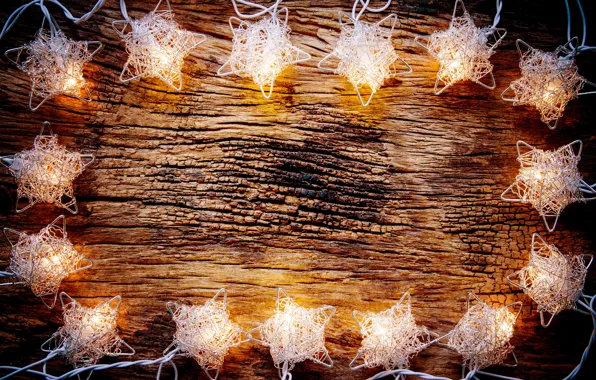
column 157, row 46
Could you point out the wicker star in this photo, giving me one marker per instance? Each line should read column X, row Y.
column 262, row 50
column 549, row 81
column 482, row 335
column 364, row 54
column 45, row 174
column 54, row 64
column 205, row 333
column 553, row 280
column 88, row 334
column 294, row 334
column 463, row 51
column 549, row 180
column 42, row 260
column 156, row 47
column 390, row 338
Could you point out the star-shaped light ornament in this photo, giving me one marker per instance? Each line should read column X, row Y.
column 482, row 335
column 463, row 51
column 294, row 334
column 549, row 180
column 553, row 280
column 156, row 46
column 262, row 50
column 365, row 55
column 41, row 261
column 88, row 334
column 390, row 338
column 549, row 81
column 205, row 333
column 54, row 64
column 45, row 174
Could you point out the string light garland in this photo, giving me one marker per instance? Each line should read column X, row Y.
column 549, row 180
column 156, row 46
column 364, row 53
column 294, row 334
column 41, row 261
column 261, row 50
column 389, row 338
column 553, row 280
column 45, row 174
column 463, row 50
column 205, row 333
column 482, row 335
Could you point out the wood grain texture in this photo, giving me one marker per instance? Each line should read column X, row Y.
column 215, row 187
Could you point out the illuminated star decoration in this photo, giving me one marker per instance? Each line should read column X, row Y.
column 482, row 335
column 156, row 47
column 549, row 180
column 45, row 174
column 364, row 54
column 54, row 64
column 549, row 81
column 88, row 334
column 463, row 51
column 41, row 261
column 553, row 280
column 205, row 333
column 262, row 50
column 390, row 338
column 294, row 334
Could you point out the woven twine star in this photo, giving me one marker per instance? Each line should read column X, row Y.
column 463, row 51
column 54, row 64
column 45, row 174
column 156, row 46
column 42, row 260
column 553, row 280
column 390, row 338
column 549, row 180
column 364, row 54
column 205, row 333
column 549, row 81
column 88, row 334
column 294, row 334
column 262, row 50
column 482, row 335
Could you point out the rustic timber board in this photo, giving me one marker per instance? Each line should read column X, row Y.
column 343, row 205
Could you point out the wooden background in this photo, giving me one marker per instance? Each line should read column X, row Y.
column 343, row 205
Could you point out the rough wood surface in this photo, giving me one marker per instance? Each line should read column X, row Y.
column 215, row 187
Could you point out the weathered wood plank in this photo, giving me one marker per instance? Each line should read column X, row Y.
column 217, row 187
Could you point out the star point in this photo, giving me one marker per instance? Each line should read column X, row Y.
column 45, row 174
column 390, row 338
column 549, row 81
column 42, row 260
column 54, row 64
column 295, row 333
column 549, row 180
column 88, row 334
column 551, row 279
column 205, row 333
column 156, row 46
column 262, row 50
column 364, row 55
column 463, row 51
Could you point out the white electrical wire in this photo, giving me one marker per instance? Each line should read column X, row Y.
column 498, row 14
column 13, row 18
column 365, row 7
column 263, row 10
column 582, row 46
column 589, row 307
